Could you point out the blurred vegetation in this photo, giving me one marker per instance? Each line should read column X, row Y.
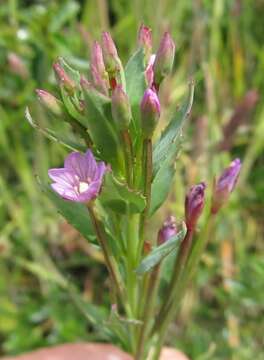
column 219, row 44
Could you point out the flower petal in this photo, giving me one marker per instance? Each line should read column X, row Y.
column 63, row 177
column 83, row 165
column 90, row 193
column 101, row 169
column 66, row 193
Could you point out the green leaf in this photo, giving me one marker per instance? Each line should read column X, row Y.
column 160, row 252
column 165, row 153
column 75, row 213
column 99, row 122
column 161, row 185
column 117, row 196
column 53, row 135
column 135, row 85
column 168, row 144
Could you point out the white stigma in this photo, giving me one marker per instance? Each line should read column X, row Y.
column 83, row 186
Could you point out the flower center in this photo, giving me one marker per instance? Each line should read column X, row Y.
column 83, row 186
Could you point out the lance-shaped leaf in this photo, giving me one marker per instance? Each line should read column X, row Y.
column 135, row 85
column 53, row 135
column 160, row 252
column 98, row 121
column 168, row 144
column 75, row 213
column 117, row 196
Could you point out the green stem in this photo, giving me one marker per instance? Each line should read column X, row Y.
column 190, row 266
column 110, row 261
column 127, row 145
column 148, row 312
column 178, row 270
column 147, row 174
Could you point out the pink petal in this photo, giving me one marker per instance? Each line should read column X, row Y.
column 63, row 177
column 66, row 193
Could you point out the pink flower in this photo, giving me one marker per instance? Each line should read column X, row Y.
column 81, row 178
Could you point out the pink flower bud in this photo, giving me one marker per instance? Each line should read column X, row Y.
column 225, row 185
column 145, row 40
column 149, row 71
column 121, row 110
column 99, row 74
column 168, row 230
column 17, row 66
column 111, row 59
column 194, row 204
column 150, row 112
column 64, row 78
column 164, row 58
column 49, row 101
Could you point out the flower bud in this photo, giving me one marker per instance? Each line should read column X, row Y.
column 149, row 71
column 121, row 109
column 17, row 66
column 111, row 59
column 164, row 58
column 64, row 78
column 99, row 74
column 49, row 101
column 168, row 230
column 225, row 185
column 145, row 40
column 194, row 204
column 150, row 112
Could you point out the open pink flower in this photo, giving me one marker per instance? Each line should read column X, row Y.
column 81, row 178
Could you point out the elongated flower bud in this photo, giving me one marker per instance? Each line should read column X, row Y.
column 17, row 66
column 98, row 71
column 164, row 59
column 149, row 70
column 50, row 102
column 225, row 185
column 194, row 204
column 168, row 230
column 145, row 40
column 111, row 59
column 64, row 79
column 121, row 109
column 150, row 112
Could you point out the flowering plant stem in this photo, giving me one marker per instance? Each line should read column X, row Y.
column 109, row 259
column 181, row 284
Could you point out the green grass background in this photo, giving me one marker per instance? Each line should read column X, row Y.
column 220, row 45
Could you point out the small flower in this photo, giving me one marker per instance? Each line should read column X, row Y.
column 145, row 40
column 149, row 70
column 49, row 101
column 81, row 178
column 164, row 59
column 225, row 185
column 121, row 110
column 168, row 230
column 194, row 204
column 150, row 112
